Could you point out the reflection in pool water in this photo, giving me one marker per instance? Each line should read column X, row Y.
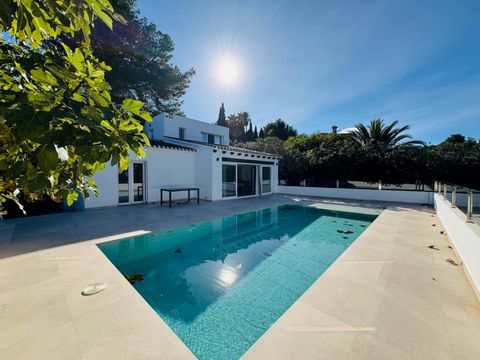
column 234, row 276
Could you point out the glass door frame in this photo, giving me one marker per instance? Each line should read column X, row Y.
column 131, row 182
column 261, row 179
column 258, row 191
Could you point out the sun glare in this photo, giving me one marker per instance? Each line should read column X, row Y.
column 228, row 71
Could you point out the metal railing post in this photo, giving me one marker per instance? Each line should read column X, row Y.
column 454, row 196
column 470, row 206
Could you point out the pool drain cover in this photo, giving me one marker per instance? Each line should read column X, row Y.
column 93, row 289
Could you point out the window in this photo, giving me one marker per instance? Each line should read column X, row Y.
column 212, row 139
column 229, row 180
column 266, row 179
column 181, row 133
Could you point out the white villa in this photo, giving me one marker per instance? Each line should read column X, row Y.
column 187, row 153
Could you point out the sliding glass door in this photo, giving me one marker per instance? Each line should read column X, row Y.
column 229, row 180
column 246, row 180
column 266, row 179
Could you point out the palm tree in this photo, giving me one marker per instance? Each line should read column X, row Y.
column 383, row 136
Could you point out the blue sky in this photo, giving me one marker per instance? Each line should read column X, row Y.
column 319, row 63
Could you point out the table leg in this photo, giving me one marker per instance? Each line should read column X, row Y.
column 198, row 196
column 188, row 195
column 161, row 197
column 170, row 199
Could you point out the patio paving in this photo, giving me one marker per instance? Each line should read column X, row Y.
column 388, row 295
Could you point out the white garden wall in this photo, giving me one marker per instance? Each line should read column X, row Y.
column 465, row 238
column 413, row 197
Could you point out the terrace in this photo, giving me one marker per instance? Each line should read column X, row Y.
column 391, row 294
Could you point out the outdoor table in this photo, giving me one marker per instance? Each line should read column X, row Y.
column 170, row 190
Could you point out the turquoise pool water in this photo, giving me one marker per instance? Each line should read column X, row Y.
column 221, row 284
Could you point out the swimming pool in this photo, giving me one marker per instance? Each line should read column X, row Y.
column 221, row 284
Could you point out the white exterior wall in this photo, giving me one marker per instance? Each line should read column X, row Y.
column 175, row 168
column 413, row 197
column 465, row 238
column 164, row 125
column 107, row 183
column 169, row 168
column 217, row 176
column 217, row 169
column 208, row 170
column 275, row 179
column 203, row 171
column 164, row 168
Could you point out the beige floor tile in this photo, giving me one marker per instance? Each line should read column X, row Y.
column 31, row 310
column 387, row 297
column 293, row 345
column 26, row 271
column 58, row 343
column 116, row 330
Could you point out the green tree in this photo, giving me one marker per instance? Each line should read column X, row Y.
column 140, row 57
column 272, row 145
column 237, row 124
column 454, row 139
column 58, row 123
column 222, row 120
column 280, row 129
column 261, row 134
column 249, row 133
column 456, row 160
column 381, row 136
column 255, row 133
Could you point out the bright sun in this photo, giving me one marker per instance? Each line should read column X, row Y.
column 228, row 71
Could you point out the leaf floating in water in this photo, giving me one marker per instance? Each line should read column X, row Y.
column 133, row 278
column 267, row 254
column 178, row 251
